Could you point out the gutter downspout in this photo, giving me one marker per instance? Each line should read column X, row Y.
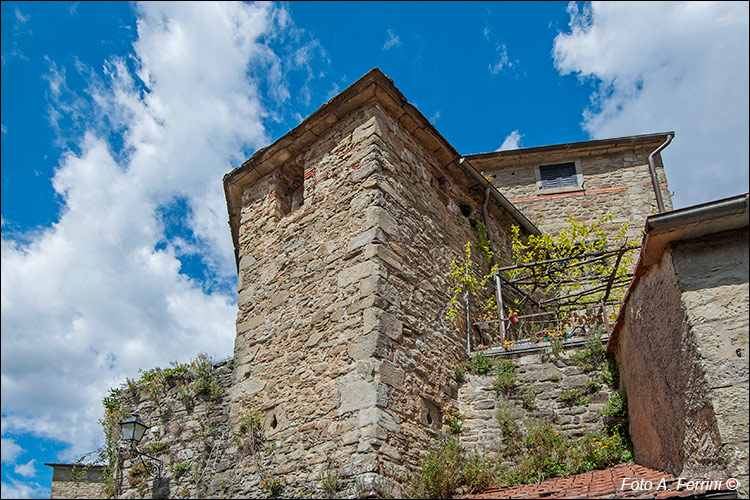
column 520, row 218
column 654, row 178
column 485, row 219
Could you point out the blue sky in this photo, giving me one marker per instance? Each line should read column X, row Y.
column 119, row 120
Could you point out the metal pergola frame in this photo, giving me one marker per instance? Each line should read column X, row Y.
column 555, row 304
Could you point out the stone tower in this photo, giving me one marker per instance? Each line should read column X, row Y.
column 343, row 231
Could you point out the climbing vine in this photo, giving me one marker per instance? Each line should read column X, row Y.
column 582, row 260
column 191, row 380
column 464, row 277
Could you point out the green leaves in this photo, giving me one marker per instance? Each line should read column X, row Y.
column 464, row 277
column 577, row 261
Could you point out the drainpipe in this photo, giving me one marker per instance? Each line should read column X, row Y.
column 486, row 219
column 512, row 210
column 654, row 178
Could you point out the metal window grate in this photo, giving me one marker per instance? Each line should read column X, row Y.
column 558, row 175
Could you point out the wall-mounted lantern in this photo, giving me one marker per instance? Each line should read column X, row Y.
column 132, row 430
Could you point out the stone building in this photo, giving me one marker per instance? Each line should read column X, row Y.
column 76, row 481
column 584, row 180
column 681, row 341
column 344, row 230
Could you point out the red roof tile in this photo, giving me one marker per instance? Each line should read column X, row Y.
column 628, row 480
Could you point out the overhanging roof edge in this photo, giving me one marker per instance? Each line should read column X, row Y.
column 656, row 138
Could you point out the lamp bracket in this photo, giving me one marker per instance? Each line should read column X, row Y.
column 154, row 465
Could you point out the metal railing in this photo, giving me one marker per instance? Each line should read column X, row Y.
column 541, row 316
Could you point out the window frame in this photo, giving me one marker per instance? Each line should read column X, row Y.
column 562, row 189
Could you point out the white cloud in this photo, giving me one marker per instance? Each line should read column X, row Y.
column 512, row 141
column 17, row 489
column 663, row 66
column 26, row 470
column 99, row 294
column 503, row 61
column 9, row 451
column 20, row 17
column 333, row 92
column 391, row 41
column 302, row 60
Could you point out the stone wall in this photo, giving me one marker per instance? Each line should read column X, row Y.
column 306, row 294
column 656, row 367
column 615, row 178
column 420, row 359
column 536, row 397
column 190, row 435
column 204, row 456
column 72, row 481
column 687, row 385
column 712, row 274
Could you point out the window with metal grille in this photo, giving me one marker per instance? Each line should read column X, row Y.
column 558, row 175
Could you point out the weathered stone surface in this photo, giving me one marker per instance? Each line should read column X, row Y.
column 688, row 391
column 379, row 321
column 356, row 395
column 481, row 401
column 248, row 388
column 86, row 483
column 379, row 217
column 358, row 272
column 372, row 345
column 372, row 235
column 485, row 404
column 391, row 375
column 250, row 324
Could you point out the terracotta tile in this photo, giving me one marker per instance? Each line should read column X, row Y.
column 595, row 484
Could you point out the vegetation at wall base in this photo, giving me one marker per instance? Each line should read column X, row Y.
column 447, row 470
column 480, row 364
column 506, row 376
column 542, row 452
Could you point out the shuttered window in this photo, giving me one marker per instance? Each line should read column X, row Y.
column 558, row 175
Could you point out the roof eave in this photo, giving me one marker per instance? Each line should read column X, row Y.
column 617, row 142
